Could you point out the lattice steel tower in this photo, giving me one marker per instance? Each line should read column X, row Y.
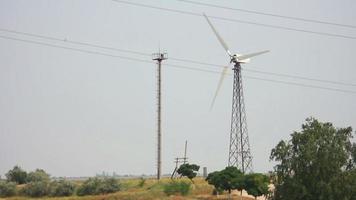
column 239, row 148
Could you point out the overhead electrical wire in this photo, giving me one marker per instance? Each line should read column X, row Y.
column 70, row 48
column 300, row 77
column 170, row 65
column 268, row 14
column 171, row 58
column 100, row 53
column 237, row 20
column 70, row 41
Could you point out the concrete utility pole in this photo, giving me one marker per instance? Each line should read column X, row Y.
column 159, row 57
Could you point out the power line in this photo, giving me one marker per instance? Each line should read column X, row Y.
column 170, row 65
column 238, row 21
column 102, row 54
column 73, row 49
column 268, row 14
column 172, row 58
column 301, row 77
column 98, row 46
column 72, row 41
column 302, row 84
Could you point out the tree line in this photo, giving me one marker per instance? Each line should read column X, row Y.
column 38, row 184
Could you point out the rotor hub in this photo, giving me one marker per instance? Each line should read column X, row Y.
column 234, row 59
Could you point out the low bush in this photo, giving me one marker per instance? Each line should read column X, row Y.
column 36, row 189
column 7, row 189
column 176, row 187
column 38, row 175
column 89, row 187
column 142, row 182
column 94, row 186
column 108, row 185
column 61, row 188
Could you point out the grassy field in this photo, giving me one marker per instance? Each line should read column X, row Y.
column 151, row 189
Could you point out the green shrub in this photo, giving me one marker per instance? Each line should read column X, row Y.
column 108, row 185
column 7, row 189
column 16, row 175
column 38, row 175
column 94, row 186
column 142, row 182
column 89, row 187
column 61, row 188
column 36, row 189
column 175, row 187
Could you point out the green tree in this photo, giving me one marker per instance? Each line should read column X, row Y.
column 315, row 163
column 239, row 183
column 188, row 170
column 227, row 179
column 347, row 189
column 16, row 175
column 256, row 184
column 214, row 179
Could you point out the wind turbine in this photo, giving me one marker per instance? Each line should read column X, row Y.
column 239, row 148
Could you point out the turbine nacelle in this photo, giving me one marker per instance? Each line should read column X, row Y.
column 235, row 59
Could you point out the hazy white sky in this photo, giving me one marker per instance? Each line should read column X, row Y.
column 77, row 114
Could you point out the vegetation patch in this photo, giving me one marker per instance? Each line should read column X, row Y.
column 188, row 170
column 142, row 182
column 176, row 188
column 95, row 186
column 17, row 175
column 61, row 188
column 318, row 162
column 36, row 189
column 7, row 189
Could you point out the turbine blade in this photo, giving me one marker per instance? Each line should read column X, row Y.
column 246, row 56
column 222, row 42
column 222, row 76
